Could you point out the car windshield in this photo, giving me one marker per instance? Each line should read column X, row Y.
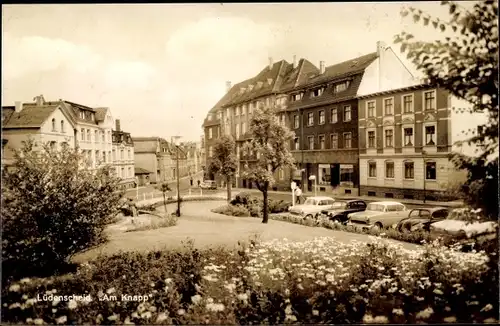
column 310, row 201
column 339, row 204
column 375, row 207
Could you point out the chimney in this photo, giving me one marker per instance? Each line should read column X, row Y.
column 271, row 63
column 294, row 61
column 228, row 86
column 19, row 106
column 39, row 100
column 321, row 67
column 117, row 125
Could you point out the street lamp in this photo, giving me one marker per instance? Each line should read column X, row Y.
column 313, row 177
column 178, row 212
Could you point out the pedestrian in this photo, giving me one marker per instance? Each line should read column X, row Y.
column 298, row 194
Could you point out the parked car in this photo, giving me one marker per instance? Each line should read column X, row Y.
column 378, row 215
column 458, row 224
column 208, row 184
column 422, row 218
column 312, row 207
column 340, row 209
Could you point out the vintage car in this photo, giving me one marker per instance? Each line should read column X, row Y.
column 312, row 207
column 459, row 224
column 340, row 209
column 421, row 218
column 378, row 215
column 208, row 184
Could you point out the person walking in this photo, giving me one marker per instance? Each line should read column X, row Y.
column 191, row 180
column 298, row 194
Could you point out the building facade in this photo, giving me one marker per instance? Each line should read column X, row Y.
column 319, row 105
column 123, row 156
column 406, row 136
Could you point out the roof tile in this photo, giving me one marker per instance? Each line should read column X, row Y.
column 30, row 117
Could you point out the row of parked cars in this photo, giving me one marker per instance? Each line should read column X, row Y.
column 391, row 214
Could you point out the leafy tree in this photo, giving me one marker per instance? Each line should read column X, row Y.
column 164, row 188
column 270, row 140
column 224, row 161
column 466, row 64
column 52, row 208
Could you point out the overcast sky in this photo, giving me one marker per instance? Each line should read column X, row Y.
column 161, row 67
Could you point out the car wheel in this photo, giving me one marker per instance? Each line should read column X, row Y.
column 377, row 227
column 308, row 217
column 405, row 228
column 336, row 220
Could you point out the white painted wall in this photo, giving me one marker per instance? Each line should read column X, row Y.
column 385, row 73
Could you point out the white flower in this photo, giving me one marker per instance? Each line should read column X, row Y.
column 215, row 306
column 62, row 320
column 161, row 317
column 196, row 298
column 110, row 291
column 242, row 296
column 438, row 292
column 181, row 312
column 380, row 320
column 398, row 312
column 113, row 317
column 39, row 321
column 488, row 307
column 315, row 312
column 367, row 319
column 426, row 313
column 451, row 319
column 14, row 287
column 72, row 304
column 146, row 315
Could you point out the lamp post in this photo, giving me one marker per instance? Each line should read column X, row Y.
column 178, row 212
column 425, row 172
column 313, row 177
column 137, row 187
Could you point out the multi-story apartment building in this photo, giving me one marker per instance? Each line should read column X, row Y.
column 231, row 115
column 324, row 115
column 191, row 151
column 319, row 105
column 157, row 155
column 41, row 123
column 405, row 138
column 123, row 156
column 86, row 128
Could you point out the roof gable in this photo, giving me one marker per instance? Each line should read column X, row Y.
column 30, row 117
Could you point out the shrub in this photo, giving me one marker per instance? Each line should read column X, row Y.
column 52, row 208
column 163, row 222
column 276, row 282
column 241, row 199
column 232, row 210
column 159, row 201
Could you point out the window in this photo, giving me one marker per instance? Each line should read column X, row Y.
column 122, row 174
column 321, row 117
column 429, row 101
column 209, row 133
column 244, row 109
column 296, row 97
column 114, row 155
column 96, row 136
column 296, row 121
column 334, row 141
column 104, row 156
column 347, row 140
column 370, row 108
column 283, row 120
column 210, row 151
column 129, row 154
column 341, row 87
column 408, row 136
column 62, row 126
column 311, row 142
column 347, row 113
column 281, row 174
column 243, row 128
column 430, row 170
column 388, row 106
column 130, row 172
column 372, row 169
column 321, row 139
column 389, row 170
column 54, row 125
column 122, row 157
column 238, row 151
column 310, row 119
column 317, row 92
column 407, row 103
column 297, row 144
column 88, row 134
column 237, row 111
column 53, row 145
column 333, row 115
column 237, row 130
column 389, row 138
column 409, row 170
column 430, row 134
column 82, row 134
column 103, row 136
column 371, row 139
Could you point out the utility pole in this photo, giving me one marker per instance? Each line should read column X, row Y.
column 178, row 186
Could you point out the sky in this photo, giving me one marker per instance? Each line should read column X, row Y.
column 161, row 67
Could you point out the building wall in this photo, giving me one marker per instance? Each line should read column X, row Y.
column 149, row 162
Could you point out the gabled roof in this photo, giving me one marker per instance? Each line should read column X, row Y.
column 342, row 70
column 100, row 114
column 30, row 117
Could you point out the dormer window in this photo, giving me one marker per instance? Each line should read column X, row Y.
column 82, row 114
column 297, row 97
column 340, row 87
column 209, row 118
column 317, row 92
column 250, row 87
column 54, row 125
column 270, row 81
column 259, row 84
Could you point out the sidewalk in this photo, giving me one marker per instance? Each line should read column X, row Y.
column 456, row 203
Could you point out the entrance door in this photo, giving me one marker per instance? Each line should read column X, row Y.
column 335, row 174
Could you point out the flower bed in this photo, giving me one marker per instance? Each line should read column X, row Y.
column 319, row 281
